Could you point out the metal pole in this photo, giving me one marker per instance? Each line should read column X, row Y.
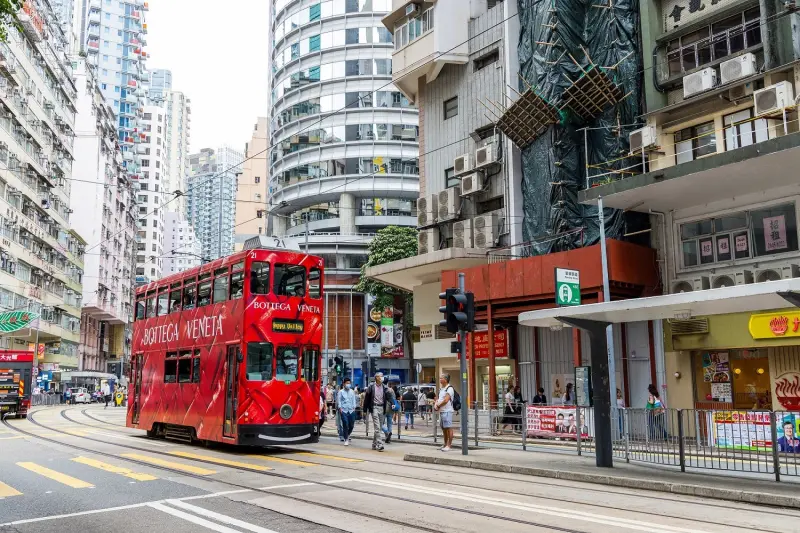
column 681, row 445
column 776, row 462
column 306, row 233
column 476, row 423
column 463, row 369
column 352, row 362
column 579, row 429
column 586, row 154
column 612, row 372
column 626, row 428
column 524, row 425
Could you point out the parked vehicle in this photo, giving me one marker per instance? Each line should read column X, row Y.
column 80, row 395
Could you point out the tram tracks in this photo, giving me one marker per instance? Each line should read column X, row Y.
column 484, row 475
column 336, row 486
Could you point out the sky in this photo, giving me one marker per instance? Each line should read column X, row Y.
column 217, row 52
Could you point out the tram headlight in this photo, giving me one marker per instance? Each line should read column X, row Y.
column 286, row 411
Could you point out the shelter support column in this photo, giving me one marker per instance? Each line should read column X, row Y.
column 600, row 387
column 492, row 374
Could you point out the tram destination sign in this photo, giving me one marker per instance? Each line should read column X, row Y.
column 288, row 326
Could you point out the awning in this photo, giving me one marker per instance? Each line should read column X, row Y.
column 426, row 268
column 746, row 298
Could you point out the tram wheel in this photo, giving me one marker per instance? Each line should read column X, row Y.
column 153, row 433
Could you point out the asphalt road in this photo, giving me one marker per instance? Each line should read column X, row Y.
column 92, row 474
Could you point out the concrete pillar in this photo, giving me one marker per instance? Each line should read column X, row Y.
column 769, row 34
column 347, row 214
column 279, row 226
column 342, row 261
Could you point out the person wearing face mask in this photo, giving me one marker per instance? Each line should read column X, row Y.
column 347, row 409
column 376, row 402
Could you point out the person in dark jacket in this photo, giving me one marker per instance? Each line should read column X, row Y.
column 376, row 402
column 410, row 405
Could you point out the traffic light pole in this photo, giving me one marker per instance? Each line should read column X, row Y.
column 463, row 370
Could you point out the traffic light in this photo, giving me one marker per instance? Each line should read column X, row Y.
column 373, row 366
column 338, row 360
column 458, row 311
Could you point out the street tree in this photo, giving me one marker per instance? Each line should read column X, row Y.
column 8, row 16
column 392, row 243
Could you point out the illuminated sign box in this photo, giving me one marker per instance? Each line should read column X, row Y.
column 288, row 326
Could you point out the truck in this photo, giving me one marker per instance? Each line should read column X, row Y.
column 16, row 373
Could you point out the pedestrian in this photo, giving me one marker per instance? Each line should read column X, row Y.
column 569, row 395
column 68, row 396
column 105, row 390
column 347, row 410
column 375, row 403
column 444, row 406
column 422, row 404
column 509, row 413
column 518, row 404
column 656, row 414
column 540, row 398
column 336, row 414
column 394, row 409
column 620, row 412
column 396, row 412
column 410, row 405
column 322, row 410
column 329, row 398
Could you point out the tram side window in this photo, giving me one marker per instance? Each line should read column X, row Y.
column 237, row 285
column 314, row 276
column 204, row 293
column 221, row 285
column 259, row 361
column 175, row 300
column 151, row 307
column 139, row 309
column 171, row 367
column 310, row 363
column 196, row 367
column 189, row 296
column 185, row 367
column 259, row 278
column 163, row 303
column 290, row 280
column 286, row 363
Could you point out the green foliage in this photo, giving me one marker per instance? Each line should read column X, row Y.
column 392, row 243
column 8, row 16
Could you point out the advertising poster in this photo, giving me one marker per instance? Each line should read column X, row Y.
column 775, row 233
column 788, row 433
column 556, row 422
column 716, row 368
column 741, row 430
column 384, row 331
column 722, row 392
column 559, row 386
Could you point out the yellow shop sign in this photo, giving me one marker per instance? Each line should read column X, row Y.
column 775, row 325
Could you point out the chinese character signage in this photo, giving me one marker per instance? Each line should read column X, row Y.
column 774, row 325
column 775, row 233
column 568, row 287
column 481, row 341
column 16, row 320
column 680, row 12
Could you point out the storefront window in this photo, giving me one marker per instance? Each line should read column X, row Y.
column 737, row 379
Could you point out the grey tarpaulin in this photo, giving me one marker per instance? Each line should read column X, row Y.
column 553, row 166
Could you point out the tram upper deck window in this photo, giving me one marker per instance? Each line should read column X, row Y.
column 290, row 280
column 140, row 308
column 259, row 277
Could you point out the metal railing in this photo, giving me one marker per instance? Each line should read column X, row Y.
column 45, row 399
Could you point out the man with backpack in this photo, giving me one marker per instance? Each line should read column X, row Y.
column 446, row 406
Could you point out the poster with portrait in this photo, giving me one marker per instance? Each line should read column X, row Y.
column 557, row 422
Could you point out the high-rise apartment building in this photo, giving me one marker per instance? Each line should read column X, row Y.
column 251, row 193
column 160, row 83
column 151, row 195
column 182, row 249
column 113, row 35
column 41, row 258
column 345, row 144
column 103, row 209
column 210, row 198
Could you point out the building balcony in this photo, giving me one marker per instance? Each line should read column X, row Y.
column 93, row 46
column 329, row 189
column 421, row 50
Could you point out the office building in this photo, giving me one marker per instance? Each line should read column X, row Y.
column 251, row 193
column 151, row 195
column 103, row 209
column 345, row 146
column 210, row 198
column 182, row 250
column 42, row 257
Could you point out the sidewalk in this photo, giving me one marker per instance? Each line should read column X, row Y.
column 571, row 467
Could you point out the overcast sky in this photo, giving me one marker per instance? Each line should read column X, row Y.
column 217, row 52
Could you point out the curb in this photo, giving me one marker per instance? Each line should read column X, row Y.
column 399, row 441
column 685, row 489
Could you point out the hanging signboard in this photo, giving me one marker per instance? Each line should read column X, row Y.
column 15, row 320
column 568, row 287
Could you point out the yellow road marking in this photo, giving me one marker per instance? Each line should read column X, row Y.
column 6, row 491
column 64, row 479
column 13, row 438
column 281, row 460
column 78, row 432
column 334, row 457
column 127, row 472
column 169, row 464
column 217, row 460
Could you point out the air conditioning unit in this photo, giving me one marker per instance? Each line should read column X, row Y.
column 699, row 283
column 462, row 164
column 426, row 210
column 486, row 155
column 740, row 92
column 732, row 279
column 486, row 231
column 428, row 240
column 642, row 139
column 462, row 234
column 737, row 68
column 449, row 203
column 777, row 273
column 471, row 183
column 773, row 98
column 412, row 9
column 698, row 82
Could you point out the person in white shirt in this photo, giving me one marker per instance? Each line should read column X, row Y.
column 444, row 405
column 422, row 404
column 106, row 392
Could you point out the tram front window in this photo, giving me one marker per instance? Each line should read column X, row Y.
column 259, row 361
column 286, row 364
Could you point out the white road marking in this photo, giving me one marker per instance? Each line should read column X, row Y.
column 290, row 485
column 552, row 511
column 225, row 519
column 135, row 439
column 193, row 519
column 214, row 495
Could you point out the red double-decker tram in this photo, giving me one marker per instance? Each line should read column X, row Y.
column 230, row 351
